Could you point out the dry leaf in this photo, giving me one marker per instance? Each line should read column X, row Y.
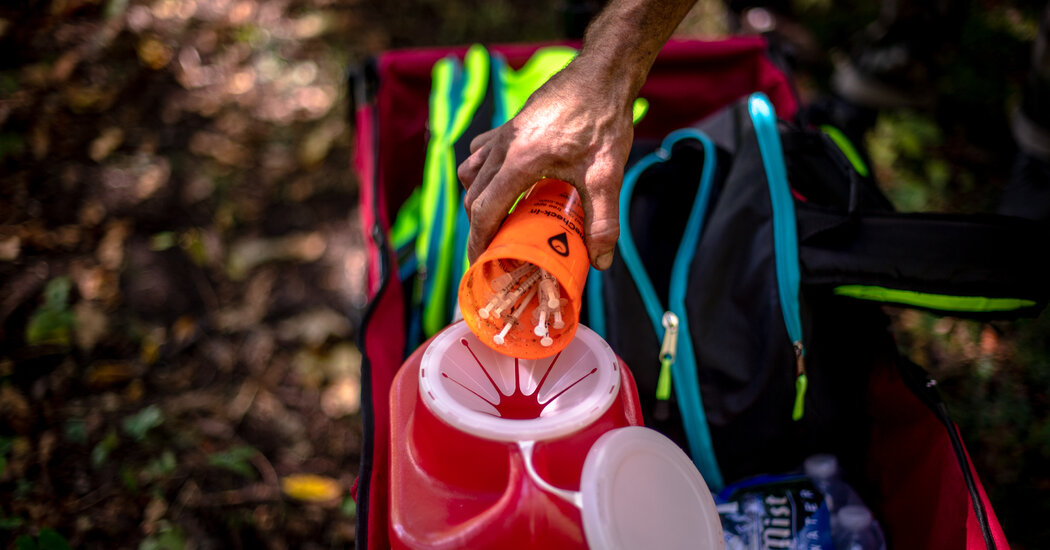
column 103, row 375
column 154, row 54
column 15, row 410
column 92, row 325
column 10, row 248
column 110, row 251
column 311, row 488
column 106, row 143
column 342, row 398
column 247, row 254
column 314, row 327
column 155, row 510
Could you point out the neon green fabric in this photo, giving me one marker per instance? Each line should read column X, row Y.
column 847, row 148
column 520, row 84
column 406, row 225
column 942, row 302
column 455, row 96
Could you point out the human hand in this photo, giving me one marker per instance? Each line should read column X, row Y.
column 577, row 128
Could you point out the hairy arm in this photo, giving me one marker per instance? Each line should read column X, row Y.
column 577, row 127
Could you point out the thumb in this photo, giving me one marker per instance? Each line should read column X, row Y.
column 602, row 208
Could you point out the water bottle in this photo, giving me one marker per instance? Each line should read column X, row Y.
column 823, row 470
column 858, row 530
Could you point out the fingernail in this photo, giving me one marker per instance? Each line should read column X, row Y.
column 605, row 260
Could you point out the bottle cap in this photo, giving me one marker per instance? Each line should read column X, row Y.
column 854, row 517
column 821, row 466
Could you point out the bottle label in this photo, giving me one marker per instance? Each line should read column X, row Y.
column 777, row 512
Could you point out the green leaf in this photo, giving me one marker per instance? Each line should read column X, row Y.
column 53, row 321
column 129, row 479
column 6, row 524
column 168, row 538
column 49, row 539
column 140, row 423
column 348, row 507
column 101, row 451
column 75, row 431
column 115, row 8
column 162, row 241
column 162, row 466
column 237, row 460
column 23, row 488
column 56, row 293
column 10, row 144
column 25, row 542
column 49, row 326
column 5, row 446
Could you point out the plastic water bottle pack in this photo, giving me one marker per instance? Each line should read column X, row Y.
column 812, row 510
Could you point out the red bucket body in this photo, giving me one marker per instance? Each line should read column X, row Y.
column 450, row 489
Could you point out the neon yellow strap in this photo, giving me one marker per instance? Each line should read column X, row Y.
column 449, row 118
column 439, row 116
column 942, row 302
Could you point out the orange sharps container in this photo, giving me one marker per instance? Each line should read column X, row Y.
column 510, row 305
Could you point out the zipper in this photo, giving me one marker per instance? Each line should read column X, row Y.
column 668, row 349
column 785, row 236
column 680, row 373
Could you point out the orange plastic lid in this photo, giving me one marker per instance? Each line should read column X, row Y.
column 522, row 296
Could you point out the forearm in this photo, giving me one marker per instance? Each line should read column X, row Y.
column 622, row 43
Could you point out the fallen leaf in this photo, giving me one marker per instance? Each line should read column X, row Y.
column 342, row 398
column 247, row 254
column 64, row 65
column 82, row 99
column 10, row 248
column 53, row 321
column 154, row 53
column 314, row 327
column 110, row 251
column 139, row 424
column 106, row 143
column 311, row 488
column 92, row 324
column 183, row 329
column 153, row 177
column 92, row 212
column 46, row 447
column 15, row 410
column 219, row 147
column 135, row 391
column 104, row 375
column 315, row 146
column 155, row 510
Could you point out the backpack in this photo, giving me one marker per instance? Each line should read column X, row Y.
column 755, row 257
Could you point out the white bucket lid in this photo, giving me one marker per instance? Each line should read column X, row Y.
column 465, row 383
column 640, row 490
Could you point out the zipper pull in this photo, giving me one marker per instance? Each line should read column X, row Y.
column 801, row 382
column 668, row 349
